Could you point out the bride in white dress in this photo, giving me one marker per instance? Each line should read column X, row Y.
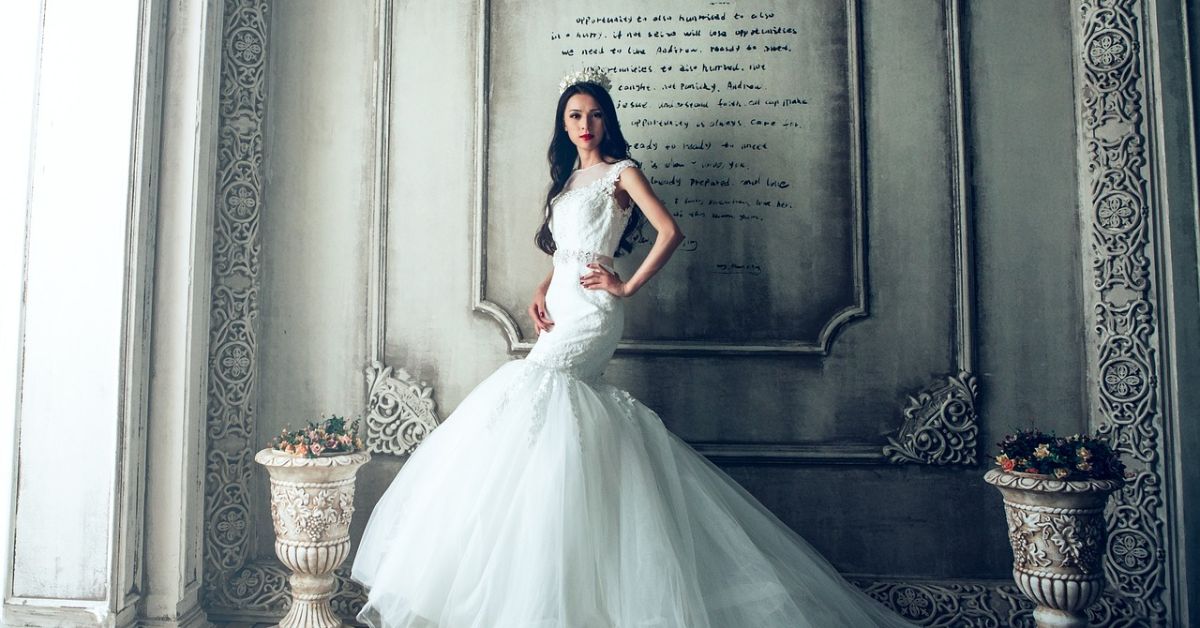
column 550, row 499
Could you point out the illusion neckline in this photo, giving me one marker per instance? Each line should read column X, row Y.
column 601, row 162
column 586, row 186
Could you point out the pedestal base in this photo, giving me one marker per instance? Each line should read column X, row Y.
column 1047, row 617
column 310, row 603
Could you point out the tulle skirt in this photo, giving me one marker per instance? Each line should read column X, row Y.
column 545, row 501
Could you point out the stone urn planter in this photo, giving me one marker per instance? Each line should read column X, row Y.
column 312, row 501
column 1058, row 537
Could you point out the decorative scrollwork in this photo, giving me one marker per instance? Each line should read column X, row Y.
column 400, row 411
column 940, row 425
column 233, row 354
column 257, row 586
column 1107, row 50
column 1110, row 88
column 953, row 604
column 262, row 587
column 940, row 604
column 227, row 509
column 349, row 596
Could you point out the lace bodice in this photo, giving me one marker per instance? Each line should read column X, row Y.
column 587, row 224
column 586, row 215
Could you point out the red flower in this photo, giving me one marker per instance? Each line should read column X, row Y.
column 1030, row 470
column 1009, row 465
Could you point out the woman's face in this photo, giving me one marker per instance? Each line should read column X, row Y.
column 584, row 121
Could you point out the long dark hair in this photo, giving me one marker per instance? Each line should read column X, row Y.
column 562, row 155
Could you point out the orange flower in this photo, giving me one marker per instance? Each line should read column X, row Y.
column 301, row 450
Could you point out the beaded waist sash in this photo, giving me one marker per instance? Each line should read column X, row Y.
column 584, row 257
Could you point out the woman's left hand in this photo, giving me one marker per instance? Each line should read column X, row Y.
column 604, row 279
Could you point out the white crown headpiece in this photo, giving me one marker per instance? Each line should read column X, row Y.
column 586, row 75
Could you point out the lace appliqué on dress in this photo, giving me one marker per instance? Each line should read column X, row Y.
column 623, row 399
column 610, row 187
column 566, row 256
column 539, row 406
column 497, row 411
column 587, row 216
column 538, row 419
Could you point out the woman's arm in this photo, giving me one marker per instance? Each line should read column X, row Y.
column 537, row 309
column 634, row 183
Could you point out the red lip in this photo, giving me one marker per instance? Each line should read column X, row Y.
column 586, row 136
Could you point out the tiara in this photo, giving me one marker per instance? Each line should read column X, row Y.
column 586, row 75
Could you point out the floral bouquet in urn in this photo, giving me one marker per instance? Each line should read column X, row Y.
column 1075, row 457
column 329, row 437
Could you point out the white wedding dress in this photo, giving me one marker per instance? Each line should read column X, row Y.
column 550, row 499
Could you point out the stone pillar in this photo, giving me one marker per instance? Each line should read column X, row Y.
column 81, row 418
column 179, row 349
column 1137, row 200
column 19, row 30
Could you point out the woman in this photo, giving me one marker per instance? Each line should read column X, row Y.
column 550, row 499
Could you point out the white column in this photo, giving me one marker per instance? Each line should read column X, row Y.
column 77, row 510
column 19, row 33
column 182, row 270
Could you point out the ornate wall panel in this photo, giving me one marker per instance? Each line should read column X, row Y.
column 749, row 122
column 941, row 422
column 1119, row 218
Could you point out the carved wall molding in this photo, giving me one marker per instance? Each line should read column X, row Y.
column 940, row 421
column 856, row 307
column 401, row 411
column 978, row 604
column 381, row 182
column 944, row 604
column 262, row 593
column 1119, row 218
column 941, row 425
column 233, row 363
column 259, row 591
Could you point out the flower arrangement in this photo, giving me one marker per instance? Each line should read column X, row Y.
column 1065, row 458
column 328, row 437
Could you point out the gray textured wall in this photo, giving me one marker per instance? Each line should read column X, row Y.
column 876, row 519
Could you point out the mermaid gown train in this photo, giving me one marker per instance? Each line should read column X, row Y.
column 550, row 499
